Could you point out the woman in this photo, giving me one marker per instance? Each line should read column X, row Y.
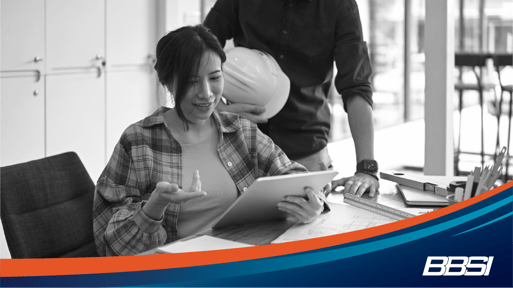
column 150, row 193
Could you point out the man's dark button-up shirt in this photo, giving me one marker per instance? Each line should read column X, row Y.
column 305, row 37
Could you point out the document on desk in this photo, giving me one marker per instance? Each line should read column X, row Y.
column 342, row 218
column 201, row 243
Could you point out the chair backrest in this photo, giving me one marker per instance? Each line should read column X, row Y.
column 47, row 208
column 503, row 59
column 470, row 60
column 475, row 62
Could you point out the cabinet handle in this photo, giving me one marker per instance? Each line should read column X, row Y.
column 99, row 68
column 38, row 59
column 151, row 63
column 152, row 60
column 38, row 73
column 36, row 92
column 100, row 59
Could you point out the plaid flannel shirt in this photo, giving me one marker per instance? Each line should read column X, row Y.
column 146, row 154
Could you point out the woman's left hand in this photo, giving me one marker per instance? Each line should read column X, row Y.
column 303, row 210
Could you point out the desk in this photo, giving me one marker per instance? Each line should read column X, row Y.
column 265, row 233
column 254, row 234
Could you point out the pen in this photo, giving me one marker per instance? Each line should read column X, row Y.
column 481, row 188
column 498, row 160
column 494, row 178
column 477, row 175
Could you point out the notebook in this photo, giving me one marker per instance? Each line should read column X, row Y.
column 417, row 197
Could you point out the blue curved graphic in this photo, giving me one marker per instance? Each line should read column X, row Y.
column 487, row 223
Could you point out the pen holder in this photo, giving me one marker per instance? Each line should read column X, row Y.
column 451, row 200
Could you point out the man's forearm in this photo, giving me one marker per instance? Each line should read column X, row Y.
column 361, row 123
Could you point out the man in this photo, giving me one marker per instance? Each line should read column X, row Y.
column 306, row 37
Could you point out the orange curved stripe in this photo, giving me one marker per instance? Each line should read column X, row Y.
column 76, row 266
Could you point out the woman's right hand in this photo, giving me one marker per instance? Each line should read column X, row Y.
column 166, row 193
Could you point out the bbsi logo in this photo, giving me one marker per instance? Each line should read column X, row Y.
column 467, row 266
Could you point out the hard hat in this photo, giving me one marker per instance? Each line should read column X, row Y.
column 254, row 77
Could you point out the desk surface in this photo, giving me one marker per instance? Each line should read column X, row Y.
column 254, row 234
column 265, row 233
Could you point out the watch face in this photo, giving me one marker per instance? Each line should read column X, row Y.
column 368, row 165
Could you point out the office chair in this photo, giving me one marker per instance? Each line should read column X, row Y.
column 501, row 61
column 476, row 63
column 47, row 208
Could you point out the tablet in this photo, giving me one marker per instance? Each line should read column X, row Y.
column 258, row 203
column 417, row 197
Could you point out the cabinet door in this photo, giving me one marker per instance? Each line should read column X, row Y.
column 131, row 96
column 22, row 118
column 131, row 31
column 76, row 118
column 130, row 77
column 22, row 45
column 75, row 32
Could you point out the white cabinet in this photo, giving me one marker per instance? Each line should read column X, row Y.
column 75, row 34
column 74, row 74
column 131, row 31
column 22, row 118
column 130, row 77
column 23, row 32
column 91, row 63
column 75, row 113
column 75, row 80
column 131, row 98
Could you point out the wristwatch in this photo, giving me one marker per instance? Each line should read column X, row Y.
column 369, row 167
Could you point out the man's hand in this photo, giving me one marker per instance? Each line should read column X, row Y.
column 358, row 184
column 303, row 210
column 249, row 111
